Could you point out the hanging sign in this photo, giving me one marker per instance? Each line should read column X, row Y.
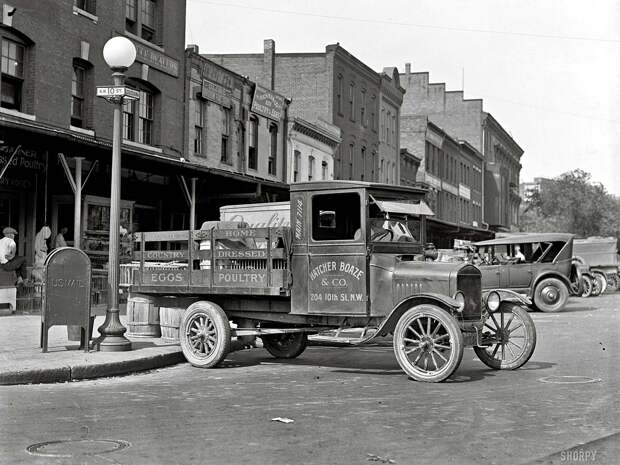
column 267, row 103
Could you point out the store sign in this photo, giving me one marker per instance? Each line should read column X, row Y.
column 267, row 103
column 432, row 181
column 450, row 188
column 464, row 191
column 434, row 139
column 216, row 93
column 156, row 59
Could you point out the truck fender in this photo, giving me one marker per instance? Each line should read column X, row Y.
column 509, row 295
column 550, row 274
column 388, row 325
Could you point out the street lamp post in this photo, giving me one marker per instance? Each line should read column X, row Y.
column 119, row 53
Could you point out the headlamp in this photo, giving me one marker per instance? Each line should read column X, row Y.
column 493, row 301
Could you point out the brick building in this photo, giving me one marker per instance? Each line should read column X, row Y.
column 311, row 149
column 333, row 86
column 465, row 120
column 409, row 165
column 452, row 170
column 389, row 131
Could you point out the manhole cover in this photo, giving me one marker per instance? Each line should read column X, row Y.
column 74, row 448
column 569, row 380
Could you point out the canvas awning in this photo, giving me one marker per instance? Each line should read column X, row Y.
column 404, row 208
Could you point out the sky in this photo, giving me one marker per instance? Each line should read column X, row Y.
column 548, row 70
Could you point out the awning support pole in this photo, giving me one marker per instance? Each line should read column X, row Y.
column 192, row 208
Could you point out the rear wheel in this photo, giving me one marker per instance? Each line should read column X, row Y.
column 613, row 282
column 596, row 287
column 204, row 334
column 512, row 337
column 288, row 345
column 428, row 343
column 586, row 286
column 602, row 279
column 550, row 295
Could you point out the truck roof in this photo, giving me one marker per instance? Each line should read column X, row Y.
column 330, row 185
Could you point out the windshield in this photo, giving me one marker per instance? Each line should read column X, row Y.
column 390, row 230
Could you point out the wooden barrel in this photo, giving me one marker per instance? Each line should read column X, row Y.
column 170, row 320
column 142, row 316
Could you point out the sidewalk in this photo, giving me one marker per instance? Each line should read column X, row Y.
column 22, row 362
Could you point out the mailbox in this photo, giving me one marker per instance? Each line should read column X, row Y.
column 66, row 293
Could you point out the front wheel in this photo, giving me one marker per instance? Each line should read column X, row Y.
column 602, row 280
column 205, row 334
column 596, row 286
column 550, row 295
column 511, row 335
column 288, row 345
column 586, row 285
column 428, row 343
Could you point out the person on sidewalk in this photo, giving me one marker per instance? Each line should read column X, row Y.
column 8, row 260
column 59, row 240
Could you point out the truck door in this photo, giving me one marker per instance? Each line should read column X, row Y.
column 337, row 262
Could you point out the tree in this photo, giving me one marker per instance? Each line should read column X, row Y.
column 572, row 203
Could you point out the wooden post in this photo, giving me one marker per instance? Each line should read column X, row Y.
column 192, row 207
column 77, row 204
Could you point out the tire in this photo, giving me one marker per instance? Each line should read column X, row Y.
column 513, row 329
column 427, row 334
column 550, row 295
column 613, row 282
column 287, row 345
column 205, row 334
column 596, row 287
column 602, row 279
column 586, row 285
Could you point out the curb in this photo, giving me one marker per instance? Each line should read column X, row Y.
column 81, row 372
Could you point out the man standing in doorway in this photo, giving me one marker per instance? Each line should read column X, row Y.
column 8, row 260
column 60, row 240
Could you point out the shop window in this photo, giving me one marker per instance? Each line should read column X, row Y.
column 12, row 78
column 138, row 118
column 253, row 144
column 141, row 19
column 336, row 217
column 273, row 148
column 225, row 147
column 90, row 6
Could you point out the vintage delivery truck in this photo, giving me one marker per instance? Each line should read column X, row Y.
column 351, row 257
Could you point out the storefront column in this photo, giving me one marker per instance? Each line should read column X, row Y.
column 77, row 204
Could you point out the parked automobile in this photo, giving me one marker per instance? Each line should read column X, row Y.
column 600, row 255
column 538, row 265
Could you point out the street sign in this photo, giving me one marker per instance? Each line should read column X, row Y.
column 117, row 92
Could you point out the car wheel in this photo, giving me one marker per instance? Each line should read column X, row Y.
column 613, row 282
column 288, row 345
column 596, row 287
column 550, row 295
column 428, row 343
column 205, row 334
column 602, row 279
column 511, row 335
column 586, row 285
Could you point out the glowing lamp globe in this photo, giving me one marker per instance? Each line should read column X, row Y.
column 119, row 52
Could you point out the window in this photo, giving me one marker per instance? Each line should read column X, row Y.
column 253, row 143
column 363, row 153
column 141, row 18
column 12, row 78
column 372, row 166
column 140, row 112
column 296, row 162
column 340, row 91
column 351, row 149
column 373, row 116
column 310, row 168
column 352, row 101
column 87, row 5
column 387, row 127
column 324, row 170
column 198, row 124
column 225, row 149
column 336, row 217
column 273, row 148
column 394, row 130
column 77, row 96
column 382, row 170
column 363, row 108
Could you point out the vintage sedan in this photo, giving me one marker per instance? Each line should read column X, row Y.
column 538, row 265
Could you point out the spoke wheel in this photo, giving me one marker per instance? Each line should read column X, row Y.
column 512, row 334
column 428, row 343
column 602, row 280
column 288, row 345
column 586, row 286
column 205, row 334
column 550, row 295
column 596, row 287
column 613, row 282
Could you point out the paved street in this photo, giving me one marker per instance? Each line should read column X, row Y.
column 349, row 405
